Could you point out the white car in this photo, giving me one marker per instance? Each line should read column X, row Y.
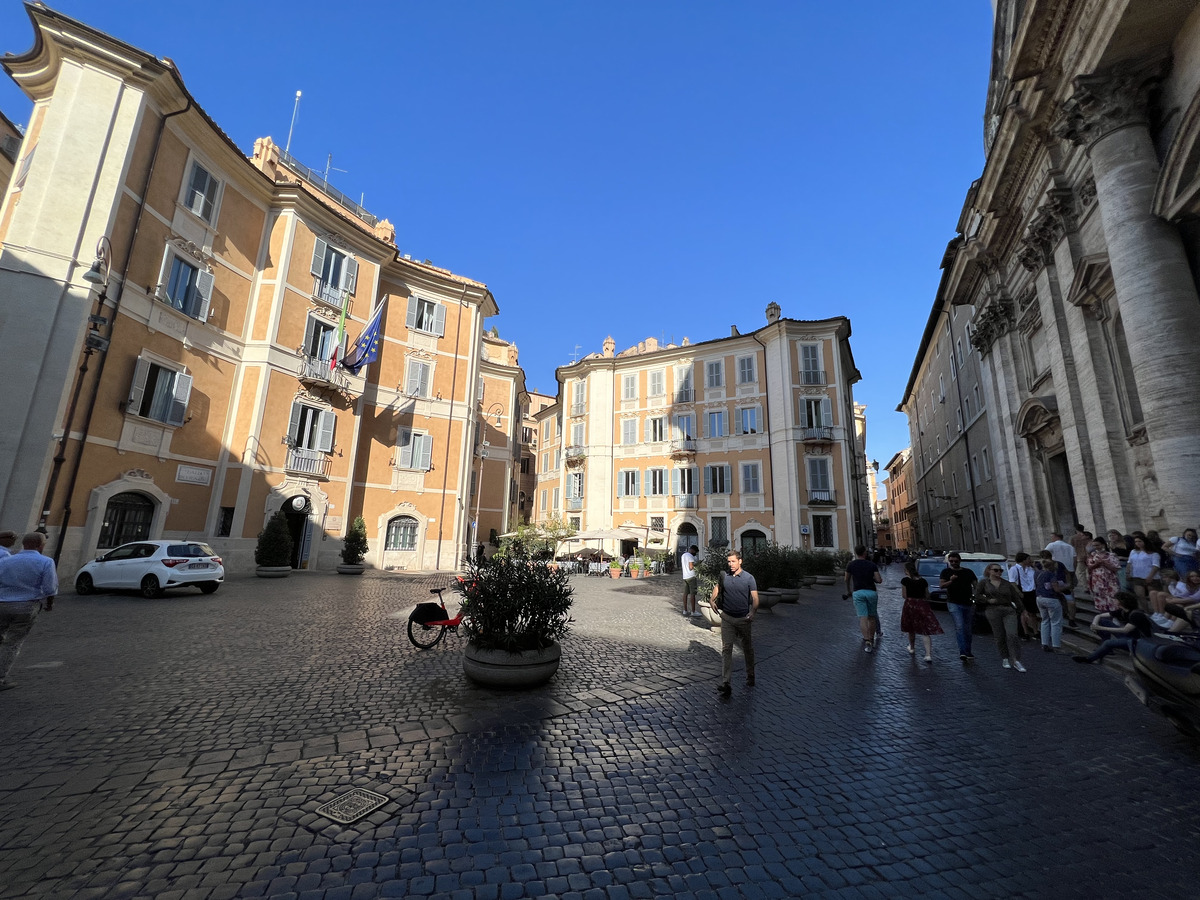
column 152, row 567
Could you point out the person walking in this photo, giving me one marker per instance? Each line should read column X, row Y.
column 28, row 583
column 959, row 585
column 1064, row 554
column 1103, row 566
column 1024, row 576
column 1051, row 582
column 737, row 592
column 861, row 577
column 917, row 616
column 1003, row 603
column 691, row 581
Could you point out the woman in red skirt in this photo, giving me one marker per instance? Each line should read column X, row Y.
column 917, row 617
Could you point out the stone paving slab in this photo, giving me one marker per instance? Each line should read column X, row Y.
column 180, row 748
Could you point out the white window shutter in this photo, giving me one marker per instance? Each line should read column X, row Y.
column 405, row 442
column 294, row 423
column 637, row 490
column 204, row 288
column 318, row 260
column 426, row 452
column 138, row 386
column 411, row 379
column 621, row 484
column 826, row 412
column 674, row 482
column 646, row 431
column 708, row 479
column 410, row 319
column 309, row 328
column 325, row 425
column 179, row 399
column 423, row 385
column 728, row 479
column 439, row 320
column 350, row 275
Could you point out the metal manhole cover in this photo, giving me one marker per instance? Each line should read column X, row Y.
column 352, row 806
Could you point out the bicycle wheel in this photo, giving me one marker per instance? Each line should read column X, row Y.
column 425, row 636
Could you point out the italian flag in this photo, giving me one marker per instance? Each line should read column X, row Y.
column 341, row 338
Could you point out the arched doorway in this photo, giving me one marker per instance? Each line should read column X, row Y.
column 685, row 537
column 297, row 510
column 127, row 517
column 753, row 540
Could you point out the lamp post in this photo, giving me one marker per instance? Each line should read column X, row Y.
column 483, row 454
column 93, row 342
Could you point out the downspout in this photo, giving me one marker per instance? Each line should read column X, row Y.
column 449, row 423
column 91, row 406
column 966, row 444
column 767, row 420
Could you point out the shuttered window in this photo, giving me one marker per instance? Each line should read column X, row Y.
column 159, row 393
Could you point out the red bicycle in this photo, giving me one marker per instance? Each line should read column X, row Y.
column 429, row 622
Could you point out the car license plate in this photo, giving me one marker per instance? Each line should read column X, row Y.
column 197, row 565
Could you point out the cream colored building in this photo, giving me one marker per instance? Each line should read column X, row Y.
column 193, row 394
column 902, row 513
column 731, row 442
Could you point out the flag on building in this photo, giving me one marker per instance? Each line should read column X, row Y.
column 340, row 338
column 366, row 349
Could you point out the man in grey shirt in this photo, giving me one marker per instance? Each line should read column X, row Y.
column 737, row 610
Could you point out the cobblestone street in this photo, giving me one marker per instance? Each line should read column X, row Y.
column 179, row 748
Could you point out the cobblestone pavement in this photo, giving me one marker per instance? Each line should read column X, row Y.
column 179, row 748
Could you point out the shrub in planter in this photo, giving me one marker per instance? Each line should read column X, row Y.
column 274, row 548
column 514, row 604
column 354, row 547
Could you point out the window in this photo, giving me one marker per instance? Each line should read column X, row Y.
column 745, row 368
column 425, row 316
column 159, row 393
column 811, row 371
column 200, row 197
column 958, row 351
column 987, row 465
column 524, row 465
column 575, row 486
column 188, row 289
column 546, row 430
column 628, row 387
column 820, row 482
column 685, row 427
column 975, row 391
column 225, row 521
column 658, row 383
column 554, row 504
column 320, row 339
column 975, row 467
column 579, row 397
column 748, row 420
column 941, row 388
column 479, row 388
column 335, row 274
column 543, row 503
column 415, row 450
column 401, row 534
column 966, row 475
column 753, row 540
column 716, row 424
column 714, row 374
column 954, row 482
column 720, row 531
column 958, row 415
column 557, row 458
column 718, row 480
column 656, row 429
column 310, row 428
column 750, row 478
column 577, row 434
column 627, row 483
column 995, row 521
column 983, row 521
column 575, row 522
column 629, row 431
column 657, row 523
column 127, row 517
column 822, row 531
column 546, row 461
column 953, row 369
column 526, row 435
column 967, row 408
column 818, row 413
column 419, row 375
column 684, row 392
column 683, row 481
column 656, row 482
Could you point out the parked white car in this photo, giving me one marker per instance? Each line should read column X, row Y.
column 152, row 567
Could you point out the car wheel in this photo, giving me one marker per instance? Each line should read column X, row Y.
column 209, row 587
column 151, row 587
column 84, row 584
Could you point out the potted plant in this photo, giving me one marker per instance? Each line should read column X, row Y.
column 614, row 569
column 354, row 548
column 514, row 611
column 273, row 553
column 635, row 568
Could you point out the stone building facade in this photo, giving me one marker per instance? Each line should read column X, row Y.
column 1076, row 260
column 902, row 512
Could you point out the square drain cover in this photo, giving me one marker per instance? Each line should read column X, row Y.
column 352, row 806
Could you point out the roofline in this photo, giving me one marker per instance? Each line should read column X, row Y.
column 935, row 313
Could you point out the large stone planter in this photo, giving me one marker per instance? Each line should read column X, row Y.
column 350, row 568
column 789, row 595
column 826, row 579
column 768, row 598
column 273, row 571
column 711, row 615
column 499, row 668
column 807, row 581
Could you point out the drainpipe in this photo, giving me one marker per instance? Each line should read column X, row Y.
column 91, row 405
column 449, row 423
column 767, row 421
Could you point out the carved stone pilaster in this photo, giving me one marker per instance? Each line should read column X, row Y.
column 1106, row 101
column 993, row 321
column 1087, row 193
column 1050, row 223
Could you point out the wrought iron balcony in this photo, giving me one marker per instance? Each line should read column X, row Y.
column 686, row 501
column 685, row 395
column 683, row 447
column 324, row 292
column 308, row 462
column 578, row 409
column 316, row 371
column 575, row 456
column 822, row 498
column 818, row 433
column 812, row 376
column 574, row 503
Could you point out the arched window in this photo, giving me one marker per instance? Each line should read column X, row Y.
column 127, row 517
column 401, row 534
column 753, row 540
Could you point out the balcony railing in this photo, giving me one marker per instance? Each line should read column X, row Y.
column 574, row 503
column 683, row 447
column 321, row 183
column 818, row 433
column 308, row 462
column 685, row 395
column 314, row 370
column 812, row 376
column 326, row 293
column 685, row 501
column 578, row 409
column 828, row 498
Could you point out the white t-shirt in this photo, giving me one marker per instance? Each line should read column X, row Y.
column 1141, row 562
column 687, row 564
column 1181, row 546
column 1063, row 553
column 1025, row 577
column 1179, row 589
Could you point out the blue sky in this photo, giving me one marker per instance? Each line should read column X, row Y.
column 627, row 168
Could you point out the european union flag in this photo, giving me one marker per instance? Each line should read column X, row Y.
column 366, row 349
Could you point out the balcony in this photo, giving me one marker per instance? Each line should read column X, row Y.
column 822, row 498
column 813, row 376
column 317, row 372
column 575, row 455
column 313, row 463
column 324, row 292
column 685, row 395
column 686, row 501
column 819, row 433
column 578, row 409
column 683, row 448
column 574, row 503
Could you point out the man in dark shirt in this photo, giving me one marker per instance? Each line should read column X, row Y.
column 861, row 577
column 737, row 611
column 1120, row 629
column 959, row 585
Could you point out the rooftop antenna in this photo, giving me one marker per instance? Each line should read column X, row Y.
column 330, row 167
column 575, row 355
column 295, row 110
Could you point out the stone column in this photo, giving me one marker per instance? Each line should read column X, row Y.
column 1156, row 294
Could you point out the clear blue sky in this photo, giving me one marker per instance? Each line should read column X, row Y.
column 628, row 168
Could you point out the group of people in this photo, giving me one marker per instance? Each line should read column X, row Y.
column 28, row 584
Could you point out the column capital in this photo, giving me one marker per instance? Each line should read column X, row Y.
column 1106, row 101
column 993, row 321
column 1054, row 218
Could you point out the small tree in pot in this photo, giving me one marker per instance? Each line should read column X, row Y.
column 273, row 553
column 354, row 548
column 514, row 612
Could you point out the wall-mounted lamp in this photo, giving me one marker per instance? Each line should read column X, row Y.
column 102, row 268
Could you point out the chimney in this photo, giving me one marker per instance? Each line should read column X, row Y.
column 733, row 332
column 609, row 346
column 772, row 312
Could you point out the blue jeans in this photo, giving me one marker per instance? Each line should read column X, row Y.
column 1119, row 642
column 1052, row 621
column 964, row 622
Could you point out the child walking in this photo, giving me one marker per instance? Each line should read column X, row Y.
column 917, row 617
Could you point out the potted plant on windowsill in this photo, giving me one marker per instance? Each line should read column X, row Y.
column 514, row 610
column 354, row 548
column 273, row 553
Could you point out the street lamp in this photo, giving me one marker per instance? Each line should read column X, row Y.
column 483, row 454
